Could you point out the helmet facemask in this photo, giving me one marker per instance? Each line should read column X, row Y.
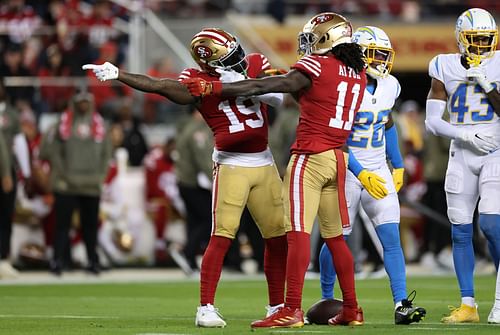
column 235, row 60
column 474, row 46
column 379, row 60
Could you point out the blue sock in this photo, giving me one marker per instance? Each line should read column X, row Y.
column 463, row 257
column 327, row 272
column 394, row 261
column 490, row 226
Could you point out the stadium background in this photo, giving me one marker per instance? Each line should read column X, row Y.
column 152, row 36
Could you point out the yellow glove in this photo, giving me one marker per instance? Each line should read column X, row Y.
column 373, row 184
column 398, row 178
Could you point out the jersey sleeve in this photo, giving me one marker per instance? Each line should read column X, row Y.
column 265, row 62
column 397, row 88
column 309, row 66
column 187, row 73
column 435, row 69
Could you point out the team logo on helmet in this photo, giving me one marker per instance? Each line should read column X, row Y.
column 322, row 18
column 203, row 51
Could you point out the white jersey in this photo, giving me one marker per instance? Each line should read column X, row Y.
column 467, row 103
column 367, row 139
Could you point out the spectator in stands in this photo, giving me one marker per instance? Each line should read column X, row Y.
column 80, row 150
column 17, row 147
column 157, row 108
column 133, row 139
column 12, row 65
column 19, row 20
column 55, row 98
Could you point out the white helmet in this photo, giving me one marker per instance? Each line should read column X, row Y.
column 377, row 48
column 472, row 26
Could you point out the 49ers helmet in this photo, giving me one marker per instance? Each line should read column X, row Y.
column 472, row 26
column 214, row 48
column 323, row 32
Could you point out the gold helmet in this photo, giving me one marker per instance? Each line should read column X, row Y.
column 214, row 48
column 323, row 32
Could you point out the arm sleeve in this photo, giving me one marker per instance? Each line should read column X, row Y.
column 434, row 122
column 272, row 99
column 353, row 164
column 5, row 163
column 392, row 147
column 21, row 151
column 309, row 66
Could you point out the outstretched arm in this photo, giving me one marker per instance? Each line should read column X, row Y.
column 292, row 82
column 168, row 88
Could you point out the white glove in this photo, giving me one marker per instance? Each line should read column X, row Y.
column 103, row 72
column 476, row 73
column 483, row 143
column 229, row 76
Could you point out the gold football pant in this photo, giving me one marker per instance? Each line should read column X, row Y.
column 315, row 185
column 259, row 188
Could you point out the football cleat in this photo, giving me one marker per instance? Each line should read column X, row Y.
column 494, row 316
column 284, row 317
column 348, row 317
column 273, row 309
column 407, row 313
column 7, row 271
column 208, row 316
column 462, row 314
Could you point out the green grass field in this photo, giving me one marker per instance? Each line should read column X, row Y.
column 169, row 308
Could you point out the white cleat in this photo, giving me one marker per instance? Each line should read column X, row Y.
column 273, row 309
column 494, row 316
column 208, row 316
column 7, row 271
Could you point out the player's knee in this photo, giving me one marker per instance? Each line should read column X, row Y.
column 388, row 234
column 461, row 234
column 458, row 216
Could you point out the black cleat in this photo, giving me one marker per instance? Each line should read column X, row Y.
column 407, row 313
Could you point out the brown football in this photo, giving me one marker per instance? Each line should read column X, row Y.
column 320, row 312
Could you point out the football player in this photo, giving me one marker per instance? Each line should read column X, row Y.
column 373, row 137
column 244, row 172
column 329, row 82
column 466, row 84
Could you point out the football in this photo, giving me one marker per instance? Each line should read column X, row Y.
column 321, row 311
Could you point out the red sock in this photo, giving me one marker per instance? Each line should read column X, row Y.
column 299, row 254
column 344, row 266
column 275, row 268
column 211, row 267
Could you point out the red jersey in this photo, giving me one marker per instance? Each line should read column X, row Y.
column 158, row 169
column 328, row 108
column 239, row 124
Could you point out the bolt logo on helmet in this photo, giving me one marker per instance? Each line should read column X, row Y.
column 476, row 33
column 323, row 32
column 377, row 49
column 214, row 48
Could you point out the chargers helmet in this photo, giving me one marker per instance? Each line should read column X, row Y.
column 473, row 27
column 323, row 32
column 214, row 48
column 377, row 48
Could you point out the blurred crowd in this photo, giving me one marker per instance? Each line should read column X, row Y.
column 131, row 202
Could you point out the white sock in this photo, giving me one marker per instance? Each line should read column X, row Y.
column 469, row 301
column 398, row 304
column 497, row 291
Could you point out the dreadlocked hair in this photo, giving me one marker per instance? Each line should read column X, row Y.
column 351, row 55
